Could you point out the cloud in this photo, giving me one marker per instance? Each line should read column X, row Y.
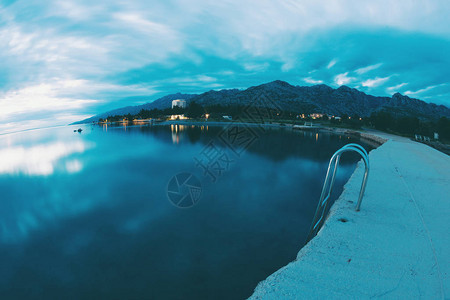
column 343, row 79
column 331, row 64
column 38, row 98
column 149, row 28
column 423, row 90
column 256, row 67
column 374, row 82
column 312, row 81
column 396, row 87
column 364, row 70
column 53, row 102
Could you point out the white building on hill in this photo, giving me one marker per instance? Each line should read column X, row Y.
column 179, row 102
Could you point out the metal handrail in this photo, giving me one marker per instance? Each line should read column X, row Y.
column 359, row 147
column 323, row 204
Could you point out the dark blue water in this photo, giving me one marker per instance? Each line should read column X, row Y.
column 87, row 216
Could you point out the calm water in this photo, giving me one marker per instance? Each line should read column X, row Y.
column 87, row 215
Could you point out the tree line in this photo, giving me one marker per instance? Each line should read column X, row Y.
column 405, row 125
column 383, row 120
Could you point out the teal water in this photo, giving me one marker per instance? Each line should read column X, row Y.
column 87, row 215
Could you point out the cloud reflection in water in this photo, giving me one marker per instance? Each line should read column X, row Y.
column 41, row 159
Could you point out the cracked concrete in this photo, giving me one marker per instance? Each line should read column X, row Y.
column 397, row 246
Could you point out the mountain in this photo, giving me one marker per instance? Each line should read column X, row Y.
column 301, row 99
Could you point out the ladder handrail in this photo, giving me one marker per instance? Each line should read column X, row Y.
column 328, row 185
column 336, row 157
column 357, row 146
column 349, row 145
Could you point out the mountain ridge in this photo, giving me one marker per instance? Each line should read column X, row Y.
column 320, row 98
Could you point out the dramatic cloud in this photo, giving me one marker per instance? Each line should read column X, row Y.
column 66, row 59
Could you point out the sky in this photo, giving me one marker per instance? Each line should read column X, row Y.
column 64, row 60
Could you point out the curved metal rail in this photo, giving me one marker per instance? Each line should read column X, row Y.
column 323, row 204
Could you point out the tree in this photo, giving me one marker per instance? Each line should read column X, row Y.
column 194, row 110
column 443, row 127
column 382, row 120
column 408, row 125
column 177, row 110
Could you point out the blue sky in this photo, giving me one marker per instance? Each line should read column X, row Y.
column 64, row 60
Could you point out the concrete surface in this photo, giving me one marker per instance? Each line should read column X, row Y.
column 396, row 247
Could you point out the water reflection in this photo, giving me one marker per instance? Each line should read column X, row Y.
column 99, row 225
column 177, row 132
column 42, row 159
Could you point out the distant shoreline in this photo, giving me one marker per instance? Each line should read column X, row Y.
column 362, row 134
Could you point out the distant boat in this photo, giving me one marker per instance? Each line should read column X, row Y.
column 79, row 130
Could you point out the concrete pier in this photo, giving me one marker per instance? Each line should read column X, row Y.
column 396, row 247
